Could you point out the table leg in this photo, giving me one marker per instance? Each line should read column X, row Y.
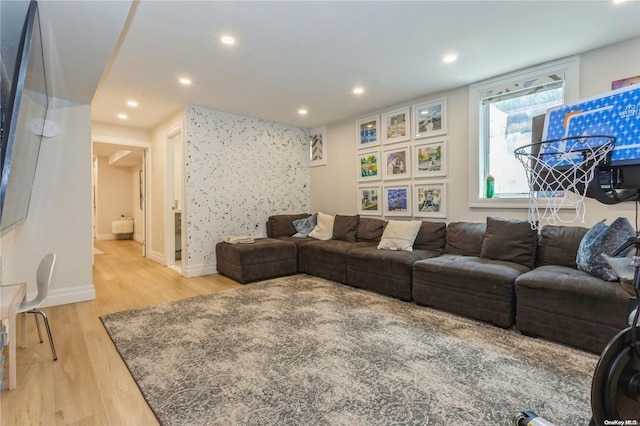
column 23, row 334
column 12, row 348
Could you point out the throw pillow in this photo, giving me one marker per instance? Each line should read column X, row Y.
column 400, row 235
column 432, row 236
column 465, row 238
column 305, row 226
column 370, row 229
column 345, row 227
column 324, row 228
column 558, row 245
column 603, row 239
column 510, row 240
column 281, row 225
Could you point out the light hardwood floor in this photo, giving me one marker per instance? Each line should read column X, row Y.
column 89, row 384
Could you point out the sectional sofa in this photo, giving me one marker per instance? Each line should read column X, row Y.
column 501, row 272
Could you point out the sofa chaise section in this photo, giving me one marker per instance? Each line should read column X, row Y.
column 264, row 259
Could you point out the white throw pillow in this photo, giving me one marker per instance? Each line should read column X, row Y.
column 324, row 228
column 400, row 235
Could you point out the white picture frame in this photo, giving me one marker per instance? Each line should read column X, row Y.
column 430, row 199
column 397, row 200
column 369, row 200
column 430, row 119
column 430, row 159
column 368, row 132
column 368, row 165
column 396, row 126
column 396, row 163
column 318, row 146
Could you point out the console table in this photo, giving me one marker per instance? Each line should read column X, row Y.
column 11, row 296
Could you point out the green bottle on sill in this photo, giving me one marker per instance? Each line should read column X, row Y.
column 490, row 186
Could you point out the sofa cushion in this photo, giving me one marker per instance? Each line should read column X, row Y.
column 570, row 306
column 388, row 272
column 370, row 229
column 324, row 228
column 511, row 240
column 305, row 226
column 345, row 227
column 400, row 235
column 602, row 239
column 281, row 225
column 431, row 236
column 465, row 238
column 558, row 245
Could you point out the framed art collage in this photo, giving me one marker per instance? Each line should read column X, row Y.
column 402, row 161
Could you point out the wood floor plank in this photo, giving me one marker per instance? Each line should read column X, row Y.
column 90, row 384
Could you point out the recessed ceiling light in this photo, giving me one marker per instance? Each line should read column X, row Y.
column 228, row 39
column 302, row 111
column 123, row 116
column 358, row 90
column 618, row 1
column 185, row 81
column 449, row 58
column 132, row 104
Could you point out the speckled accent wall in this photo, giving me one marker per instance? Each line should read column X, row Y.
column 240, row 171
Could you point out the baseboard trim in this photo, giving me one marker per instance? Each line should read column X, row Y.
column 67, row 295
column 105, row 237
column 189, row 271
column 157, row 257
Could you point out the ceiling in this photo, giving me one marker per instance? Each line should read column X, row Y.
column 307, row 54
column 119, row 156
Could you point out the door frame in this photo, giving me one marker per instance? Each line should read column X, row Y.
column 146, row 167
column 169, row 218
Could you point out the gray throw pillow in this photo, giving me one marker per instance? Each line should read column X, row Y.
column 510, row 240
column 603, row 239
column 305, row 226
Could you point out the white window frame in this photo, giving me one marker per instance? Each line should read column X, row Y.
column 570, row 67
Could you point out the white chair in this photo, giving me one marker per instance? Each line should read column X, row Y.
column 43, row 279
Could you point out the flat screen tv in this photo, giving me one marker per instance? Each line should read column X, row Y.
column 24, row 108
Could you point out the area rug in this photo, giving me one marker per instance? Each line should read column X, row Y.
column 301, row 350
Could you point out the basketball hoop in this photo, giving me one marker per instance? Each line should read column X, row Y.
column 559, row 172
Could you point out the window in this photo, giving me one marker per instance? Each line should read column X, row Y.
column 500, row 116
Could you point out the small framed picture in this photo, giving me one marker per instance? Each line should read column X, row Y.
column 369, row 165
column 430, row 118
column 395, row 163
column 318, row 146
column 430, row 159
column 430, row 200
column 397, row 200
column 368, row 132
column 396, row 126
column 368, row 200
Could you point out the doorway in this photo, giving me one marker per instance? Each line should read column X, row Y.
column 120, row 177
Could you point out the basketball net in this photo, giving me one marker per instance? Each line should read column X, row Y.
column 559, row 172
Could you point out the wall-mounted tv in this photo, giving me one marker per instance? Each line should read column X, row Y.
column 23, row 112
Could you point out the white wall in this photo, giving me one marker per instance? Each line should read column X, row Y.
column 334, row 187
column 114, row 197
column 59, row 218
column 240, row 171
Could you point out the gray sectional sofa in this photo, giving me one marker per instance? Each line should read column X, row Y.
column 501, row 272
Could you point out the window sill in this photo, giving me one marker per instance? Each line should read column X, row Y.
column 499, row 203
